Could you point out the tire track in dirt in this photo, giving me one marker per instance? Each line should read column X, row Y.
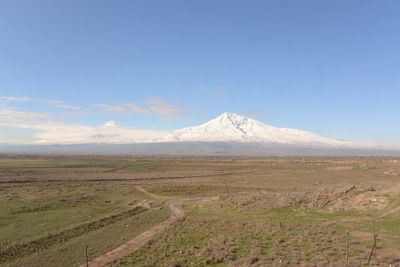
column 139, row 241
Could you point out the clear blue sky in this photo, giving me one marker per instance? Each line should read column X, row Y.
column 329, row 67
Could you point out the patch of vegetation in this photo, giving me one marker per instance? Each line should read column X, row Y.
column 100, row 241
column 43, row 243
column 30, row 211
column 193, row 190
column 207, row 241
column 256, row 211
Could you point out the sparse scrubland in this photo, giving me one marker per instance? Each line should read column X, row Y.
column 244, row 211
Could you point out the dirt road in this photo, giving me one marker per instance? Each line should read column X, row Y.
column 140, row 240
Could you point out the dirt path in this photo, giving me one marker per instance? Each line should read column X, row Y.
column 153, row 195
column 140, row 240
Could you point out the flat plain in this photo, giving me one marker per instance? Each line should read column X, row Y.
column 238, row 211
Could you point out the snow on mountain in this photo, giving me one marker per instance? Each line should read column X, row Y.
column 230, row 127
column 112, row 124
column 228, row 134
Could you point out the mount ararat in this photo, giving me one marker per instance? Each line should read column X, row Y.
column 228, row 134
column 228, row 127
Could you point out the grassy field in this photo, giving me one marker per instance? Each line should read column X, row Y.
column 252, row 211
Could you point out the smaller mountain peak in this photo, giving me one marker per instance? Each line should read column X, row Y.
column 112, row 124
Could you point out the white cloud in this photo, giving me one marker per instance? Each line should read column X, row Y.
column 67, row 106
column 76, row 113
column 81, row 134
column 154, row 106
column 62, row 104
column 163, row 109
column 55, row 103
column 22, row 119
column 123, row 108
column 49, row 128
column 18, row 140
column 14, row 99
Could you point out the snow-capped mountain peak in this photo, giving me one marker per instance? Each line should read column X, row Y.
column 112, row 124
column 227, row 127
column 230, row 119
column 231, row 127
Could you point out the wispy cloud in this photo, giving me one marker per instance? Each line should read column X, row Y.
column 67, row 106
column 76, row 113
column 14, row 99
column 163, row 109
column 22, row 119
column 55, row 103
column 51, row 128
column 48, row 128
column 153, row 106
column 123, row 108
column 62, row 104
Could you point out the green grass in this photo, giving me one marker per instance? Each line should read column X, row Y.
column 219, row 232
column 192, row 191
column 339, row 223
column 112, row 164
column 28, row 212
column 99, row 242
column 212, row 241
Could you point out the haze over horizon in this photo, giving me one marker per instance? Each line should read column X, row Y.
column 330, row 68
